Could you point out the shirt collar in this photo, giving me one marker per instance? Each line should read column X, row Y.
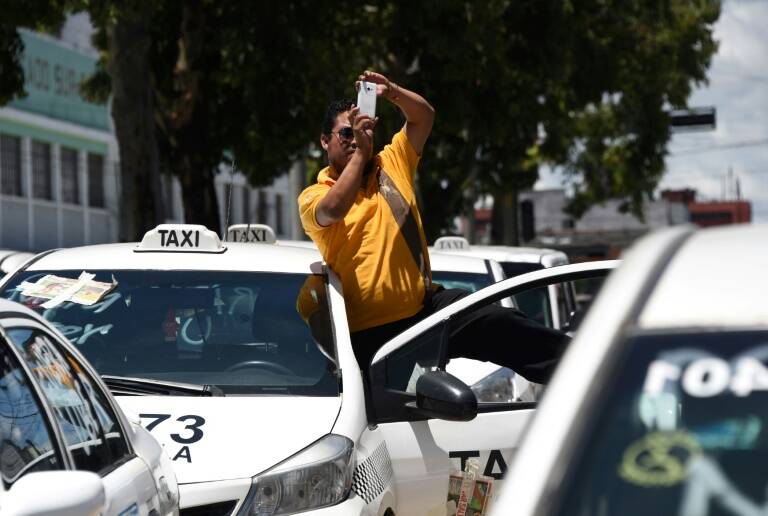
column 324, row 178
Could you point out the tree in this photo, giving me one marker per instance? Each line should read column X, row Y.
column 517, row 84
column 583, row 84
column 242, row 79
column 39, row 14
column 124, row 73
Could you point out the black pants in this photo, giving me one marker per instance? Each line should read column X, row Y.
column 504, row 336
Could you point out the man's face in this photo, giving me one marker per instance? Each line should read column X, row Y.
column 340, row 144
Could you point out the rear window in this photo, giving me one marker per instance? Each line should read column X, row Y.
column 512, row 269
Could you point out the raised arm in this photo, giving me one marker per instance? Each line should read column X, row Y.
column 419, row 114
column 334, row 206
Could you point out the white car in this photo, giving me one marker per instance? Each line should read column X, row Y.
column 659, row 405
column 470, row 273
column 65, row 445
column 237, row 357
column 553, row 305
column 10, row 259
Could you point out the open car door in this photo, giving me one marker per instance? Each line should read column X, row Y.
column 429, row 437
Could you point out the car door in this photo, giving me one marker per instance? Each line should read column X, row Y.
column 425, row 451
column 90, row 429
column 28, row 439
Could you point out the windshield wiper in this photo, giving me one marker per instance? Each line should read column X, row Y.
column 126, row 385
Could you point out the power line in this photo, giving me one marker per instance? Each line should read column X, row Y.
column 724, row 146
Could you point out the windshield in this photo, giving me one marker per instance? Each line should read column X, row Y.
column 470, row 281
column 682, row 430
column 240, row 331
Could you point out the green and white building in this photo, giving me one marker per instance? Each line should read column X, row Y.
column 59, row 159
column 58, row 182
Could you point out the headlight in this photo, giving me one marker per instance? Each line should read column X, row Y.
column 318, row 476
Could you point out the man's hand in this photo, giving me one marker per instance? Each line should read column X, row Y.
column 419, row 115
column 384, row 88
column 362, row 126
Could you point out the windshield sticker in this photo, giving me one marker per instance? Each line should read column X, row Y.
column 660, row 459
column 708, row 377
column 57, row 290
column 80, row 334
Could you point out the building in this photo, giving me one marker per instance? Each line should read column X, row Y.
column 58, row 183
column 711, row 213
column 59, row 159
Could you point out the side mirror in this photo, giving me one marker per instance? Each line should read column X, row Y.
column 65, row 493
column 443, row 396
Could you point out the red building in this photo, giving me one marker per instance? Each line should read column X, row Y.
column 712, row 213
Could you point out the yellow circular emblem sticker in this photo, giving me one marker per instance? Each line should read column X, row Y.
column 659, row 459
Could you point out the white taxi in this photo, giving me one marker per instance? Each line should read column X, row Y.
column 659, row 405
column 553, row 305
column 237, row 357
column 65, row 446
column 470, row 273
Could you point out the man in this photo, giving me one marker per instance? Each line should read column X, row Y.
column 362, row 214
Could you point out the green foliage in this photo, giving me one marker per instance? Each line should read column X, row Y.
column 649, row 58
column 42, row 15
column 583, row 84
column 579, row 83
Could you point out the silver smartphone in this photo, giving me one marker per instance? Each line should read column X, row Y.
column 366, row 99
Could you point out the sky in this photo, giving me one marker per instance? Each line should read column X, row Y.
column 738, row 89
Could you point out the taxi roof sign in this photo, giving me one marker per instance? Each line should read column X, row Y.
column 451, row 243
column 180, row 238
column 251, row 233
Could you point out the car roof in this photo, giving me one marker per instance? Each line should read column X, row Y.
column 502, row 253
column 447, row 261
column 10, row 262
column 717, row 277
column 235, row 257
column 309, row 244
column 10, row 308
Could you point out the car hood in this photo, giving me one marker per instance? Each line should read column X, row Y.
column 220, row 438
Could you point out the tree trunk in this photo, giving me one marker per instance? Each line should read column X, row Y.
column 198, row 193
column 187, row 122
column 504, row 223
column 133, row 114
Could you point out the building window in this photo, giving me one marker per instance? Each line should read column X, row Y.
column 41, row 171
column 95, row 180
column 262, row 213
column 246, row 204
column 279, row 214
column 10, row 164
column 69, row 182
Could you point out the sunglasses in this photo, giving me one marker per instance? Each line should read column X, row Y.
column 345, row 133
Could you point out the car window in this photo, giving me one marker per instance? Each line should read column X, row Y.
column 108, row 419
column 682, row 429
column 66, row 394
column 534, row 303
column 244, row 332
column 464, row 280
column 512, row 269
column 408, row 363
column 26, row 437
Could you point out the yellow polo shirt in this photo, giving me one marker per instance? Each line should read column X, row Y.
column 381, row 280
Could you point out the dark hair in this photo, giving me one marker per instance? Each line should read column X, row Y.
column 333, row 110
